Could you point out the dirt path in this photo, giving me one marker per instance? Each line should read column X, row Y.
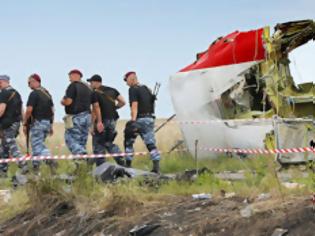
column 173, row 216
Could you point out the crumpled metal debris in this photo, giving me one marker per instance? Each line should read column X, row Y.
column 293, row 185
column 202, row 196
column 247, row 212
column 143, row 230
column 263, row 196
column 280, row 232
column 19, row 180
column 5, row 195
column 109, row 172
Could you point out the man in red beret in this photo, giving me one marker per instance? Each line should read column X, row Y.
column 38, row 118
column 142, row 120
column 77, row 102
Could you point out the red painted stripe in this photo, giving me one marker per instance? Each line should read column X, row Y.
column 235, row 48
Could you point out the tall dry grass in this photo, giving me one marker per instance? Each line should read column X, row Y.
column 166, row 138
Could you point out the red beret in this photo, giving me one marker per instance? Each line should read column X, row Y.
column 128, row 74
column 36, row 77
column 75, row 71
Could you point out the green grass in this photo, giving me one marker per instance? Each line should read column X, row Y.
column 88, row 195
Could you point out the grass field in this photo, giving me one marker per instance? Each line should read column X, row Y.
column 88, row 195
column 166, row 138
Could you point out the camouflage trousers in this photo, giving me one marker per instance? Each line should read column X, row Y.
column 145, row 128
column 9, row 146
column 39, row 131
column 103, row 142
column 76, row 137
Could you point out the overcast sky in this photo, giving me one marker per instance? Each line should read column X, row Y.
column 154, row 38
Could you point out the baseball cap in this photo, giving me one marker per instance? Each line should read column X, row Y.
column 96, row 78
column 4, row 77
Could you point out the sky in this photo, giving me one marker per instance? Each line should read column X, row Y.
column 153, row 38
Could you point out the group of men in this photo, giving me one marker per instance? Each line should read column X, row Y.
column 88, row 107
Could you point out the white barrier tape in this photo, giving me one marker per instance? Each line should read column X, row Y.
column 258, row 150
column 71, row 157
column 86, row 156
column 209, row 149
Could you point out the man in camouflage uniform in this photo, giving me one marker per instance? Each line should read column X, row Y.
column 141, row 102
column 109, row 100
column 39, row 118
column 10, row 118
column 77, row 102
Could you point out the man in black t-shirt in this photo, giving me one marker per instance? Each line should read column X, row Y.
column 39, row 117
column 10, row 118
column 77, row 102
column 141, row 102
column 109, row 100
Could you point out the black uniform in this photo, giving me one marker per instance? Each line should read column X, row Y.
column 145, row 99
column 144, row 125
column 13, row 111
column 42, row 104
column 82, row 98
column 106, row 97
column 42, row 118
column 10, row 124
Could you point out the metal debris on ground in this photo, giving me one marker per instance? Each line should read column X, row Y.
column 202, row 196
column 19, row 180
column 263, row 196
column 247, row 211
column 229, row 195
column 143, row 230
column 293, row 185
column 280, row 232
column 108, row 172
column 5, row 195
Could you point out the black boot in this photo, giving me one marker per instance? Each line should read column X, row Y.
column 128, row 163
column 156, row 167
column 120, row 161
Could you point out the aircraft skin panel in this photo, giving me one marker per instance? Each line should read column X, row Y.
column 202, row 88
column 246, row 75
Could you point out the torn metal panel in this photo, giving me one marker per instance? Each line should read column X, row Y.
column 244, row 75
column 304, row 133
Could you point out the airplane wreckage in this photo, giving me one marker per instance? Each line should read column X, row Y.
column 243, row 95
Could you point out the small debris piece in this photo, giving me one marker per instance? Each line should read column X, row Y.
column 293, row 185
column 247, row 211
column 202, row 196
column 280, row 232
column 229, row 195
column 19, row 180
column 263, row 196
column 5, row 195
column 143, row 230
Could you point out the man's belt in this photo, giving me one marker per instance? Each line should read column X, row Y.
column 146, row 115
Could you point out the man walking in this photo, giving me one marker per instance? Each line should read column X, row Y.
column 10, row 119
column 77, row 102
column 109, row 100
column 141, row 102
column 38, row 118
